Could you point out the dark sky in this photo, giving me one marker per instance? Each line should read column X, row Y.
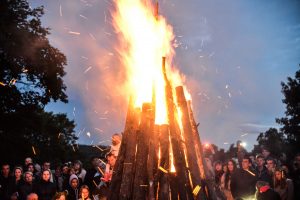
column 234, row 55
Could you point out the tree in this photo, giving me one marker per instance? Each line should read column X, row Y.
column 273, row 140
column 30, row 77
column 291, row 120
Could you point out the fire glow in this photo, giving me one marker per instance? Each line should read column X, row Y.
column 145, row 37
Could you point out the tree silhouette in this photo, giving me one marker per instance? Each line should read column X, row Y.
column 291, row 120
column 30, row 77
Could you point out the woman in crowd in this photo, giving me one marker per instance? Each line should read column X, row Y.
column 283, row 185
column 79, row 171
column 15, row 183
column 45, row 189
column 226, row 178
column 73, row 189
column 60, row 196
column 84, row 193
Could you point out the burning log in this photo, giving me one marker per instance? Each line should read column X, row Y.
column 118, row 169
column 129, row 162
column 141, row 183
column 162, row 173
column 189, row 139
column 208, row 191
column 179, row 160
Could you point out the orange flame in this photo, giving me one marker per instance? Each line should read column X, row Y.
column 144, row 40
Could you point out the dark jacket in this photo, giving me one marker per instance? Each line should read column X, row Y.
column 4, row 182
column 264, row 175
column 243, row 183
column 45, row 190
column 73, row 194
column 25, row 190
column 14, row 187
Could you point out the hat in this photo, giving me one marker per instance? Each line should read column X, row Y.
column 73, row 176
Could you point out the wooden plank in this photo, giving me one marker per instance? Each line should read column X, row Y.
column 129, row 162
column 141, row 183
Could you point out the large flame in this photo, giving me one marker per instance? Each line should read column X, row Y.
column 144, row 39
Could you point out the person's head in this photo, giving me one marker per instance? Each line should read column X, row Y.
column 271, row 164
column 5, row 170
column 18, row 172
column 27, row 161
column 77, row 165
column 116, row 139
column 65, row 169
column 32, row 196
column 30, row 167
column 58, row 171
column 73, row 181
column 72, row 171
column 84, row 191
column 218, row 166
column 46, row 165
column 46, row 175
column 265, row 152
column 60, row 196
column 260, row 161
column 246, row 163
column 225, row 168
column 279, row 174
column 95, row 162
column 297, row 161
column 111, row 159
column 28, row 176
column 231, row 165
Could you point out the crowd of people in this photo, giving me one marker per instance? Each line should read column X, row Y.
column 67, row 181
column 262, row 177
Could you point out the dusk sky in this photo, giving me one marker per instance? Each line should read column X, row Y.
column 233, row 53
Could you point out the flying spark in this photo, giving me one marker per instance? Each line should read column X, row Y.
column 60, row 11
column 74, row 33
column 88, row 69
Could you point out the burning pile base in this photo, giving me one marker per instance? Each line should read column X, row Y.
column 161, row 161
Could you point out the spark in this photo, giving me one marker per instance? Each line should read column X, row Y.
column 74, row 33
column 219, row 97
column 87, row 85
column 12, row 81
column 88, row 134
column 84, row 17
column 103, row 141
column 229, row 94
column 33, row 150
column 25, row 70
column 110, row 53
column 105, row 113
column 104, row 17
column 73, row 148
column 92, row 142
column 3, row 84
column 180, row 36
column 100, row 170
column 107, row 33
column 98, row 148
column 103, row 118
column 92, row 36
column 88, row 69
column 99, row 130
column 225, row 143
column 244, row 134
column 210, row 55
column 83, row 57
column 60, row 11
column 226, row 86
column 58, row 135
column 74, row 111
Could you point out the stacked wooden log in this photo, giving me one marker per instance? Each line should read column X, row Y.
column 149, row 152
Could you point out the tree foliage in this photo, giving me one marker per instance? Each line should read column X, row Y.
column 291, row 121
column 30, row 77
column 273, row 140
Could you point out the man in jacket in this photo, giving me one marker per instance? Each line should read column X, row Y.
column 243, row 181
